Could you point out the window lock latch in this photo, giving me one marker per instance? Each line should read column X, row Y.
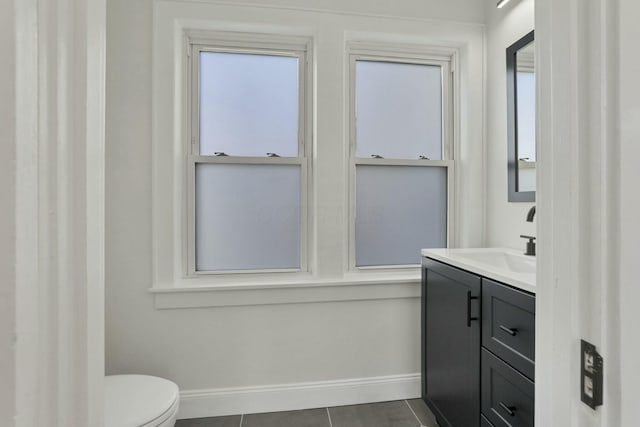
column 220, row 154
column 272, row 155
column 376, row 156
column 423, row 158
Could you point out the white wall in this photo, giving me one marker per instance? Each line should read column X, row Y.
column 7, row 216
column 629, row 221
column 213, row 348
column 505, row 221
column 52, row 218
column 453, row 10
column 587, row 273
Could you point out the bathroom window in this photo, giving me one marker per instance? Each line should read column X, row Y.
column 248, row 164
column 282, row 229
column 401, row 157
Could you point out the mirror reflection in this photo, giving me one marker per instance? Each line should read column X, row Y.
column 526, row 116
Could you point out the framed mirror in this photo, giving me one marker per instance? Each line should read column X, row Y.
column 521, row 120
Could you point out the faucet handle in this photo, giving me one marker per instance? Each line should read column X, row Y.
column 531, row 246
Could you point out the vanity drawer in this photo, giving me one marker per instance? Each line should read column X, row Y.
column 508, row 325
column 507, row 397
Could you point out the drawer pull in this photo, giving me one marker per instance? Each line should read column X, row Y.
column 508, row 409
column 513, row 332
column 469, row 318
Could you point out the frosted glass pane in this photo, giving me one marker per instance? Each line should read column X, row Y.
column 399, row 210
column 247, row 217
column 248, row 104
column 398, row 110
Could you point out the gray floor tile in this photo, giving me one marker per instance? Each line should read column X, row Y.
column 306, row 418
column 385, row 414
column 423, row 412
column 232, row 421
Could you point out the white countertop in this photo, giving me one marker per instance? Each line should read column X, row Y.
column 503, row 265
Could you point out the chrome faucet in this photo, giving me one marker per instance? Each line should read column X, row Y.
column 531, row 245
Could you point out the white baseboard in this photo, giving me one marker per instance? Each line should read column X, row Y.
column 287, row 397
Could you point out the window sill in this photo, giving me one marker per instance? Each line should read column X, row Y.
column 302, row 291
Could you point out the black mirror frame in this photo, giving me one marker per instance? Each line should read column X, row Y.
column 512, row 124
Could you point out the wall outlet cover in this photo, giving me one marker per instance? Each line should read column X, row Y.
column 590, row 375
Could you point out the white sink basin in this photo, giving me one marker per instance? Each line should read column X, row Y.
column 504, row 265
column 504, row 260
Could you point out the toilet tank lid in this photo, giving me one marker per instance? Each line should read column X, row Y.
column 137, row 400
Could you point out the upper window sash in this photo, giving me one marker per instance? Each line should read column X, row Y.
column 194, row 83
column 443, row 62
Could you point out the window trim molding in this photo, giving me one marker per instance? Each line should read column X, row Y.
column 170, row 124
column 299, row 292
column 170, row 21
column 301, row 47
column 445, row 57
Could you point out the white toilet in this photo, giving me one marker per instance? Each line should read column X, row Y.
column 140, row 401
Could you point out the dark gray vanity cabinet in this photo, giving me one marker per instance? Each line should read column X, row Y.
column 451, row 344
column 478, row 349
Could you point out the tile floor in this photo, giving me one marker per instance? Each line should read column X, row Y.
column 399, row 413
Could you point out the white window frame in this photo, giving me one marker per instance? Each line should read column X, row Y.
column 403, row 54
column 256, row 44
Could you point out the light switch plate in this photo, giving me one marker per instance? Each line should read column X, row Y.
column 590, row 375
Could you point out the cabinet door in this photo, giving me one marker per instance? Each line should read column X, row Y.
column 451, row 344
